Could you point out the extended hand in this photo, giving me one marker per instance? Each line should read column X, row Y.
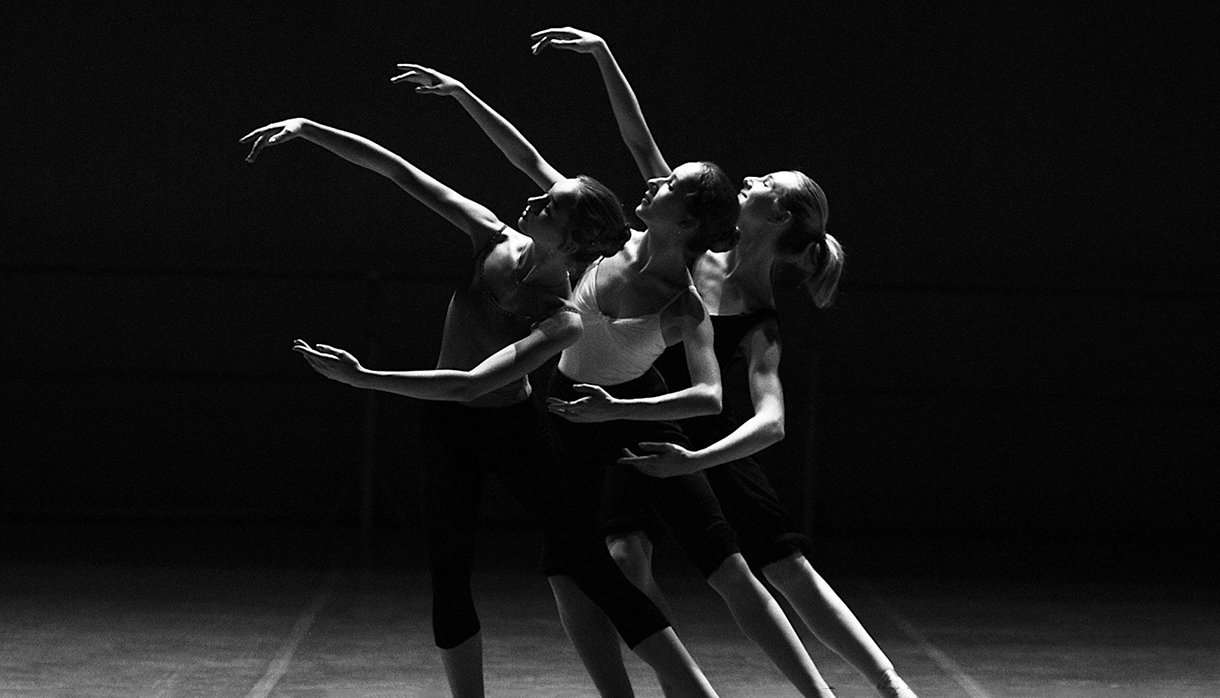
column 566, row 38
column 596, row 406
column 428, row 81
column 664, row 459
column 272, row 134
column 332, row 362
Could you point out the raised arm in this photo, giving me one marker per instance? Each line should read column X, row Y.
column 764, row 428
column 702, row 397
column 519, row 151
column 475, row 219
column 627, row 113
column 506, row 365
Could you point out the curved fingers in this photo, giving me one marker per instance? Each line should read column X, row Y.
column 268, row 135
column 256, row 132
column 553, row 33
column 259, row 144
column 411, row 76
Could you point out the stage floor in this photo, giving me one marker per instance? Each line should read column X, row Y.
column 247, row 611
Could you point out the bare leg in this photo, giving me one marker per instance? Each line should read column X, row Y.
column 762, row 620
column 597, row 643
column 833, row 622
column 633, row 553
column 680, row 676
column 594, row 637
column 464, row 668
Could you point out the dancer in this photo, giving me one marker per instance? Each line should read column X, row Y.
column 782, row 221
column 633, row 305
column 510, row 318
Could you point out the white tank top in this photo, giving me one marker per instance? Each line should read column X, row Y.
column 611, row 350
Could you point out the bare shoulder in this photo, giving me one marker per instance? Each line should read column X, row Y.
column 563, row 326
column 687, row 308
column 518, row 248
column 764, row 333
column 761, row 345
column 516, row 241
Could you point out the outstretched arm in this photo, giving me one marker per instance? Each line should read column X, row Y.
column 506, row 365
column 519, row 151
column 764, row 428
column 702, row 397
column 627, row 113
column 475, row 219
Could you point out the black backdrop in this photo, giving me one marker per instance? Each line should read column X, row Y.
column 1025, row 339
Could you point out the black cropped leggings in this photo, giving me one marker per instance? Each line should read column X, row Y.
column 625, row 496
column 466, row 443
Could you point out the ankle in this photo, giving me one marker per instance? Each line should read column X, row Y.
column 891, row 685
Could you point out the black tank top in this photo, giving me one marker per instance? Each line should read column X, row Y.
column 729, row 331
column 477, row 324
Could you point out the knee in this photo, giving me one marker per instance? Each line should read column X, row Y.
column 733, row 577
column 787, row 572
column 633, row 556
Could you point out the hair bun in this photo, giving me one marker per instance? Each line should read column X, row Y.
column 714, row 205
column 725, row 242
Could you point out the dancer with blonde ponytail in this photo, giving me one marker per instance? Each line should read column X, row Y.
column 783, row 221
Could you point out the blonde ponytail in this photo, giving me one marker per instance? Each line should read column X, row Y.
column 810, row 212
column 827, row 260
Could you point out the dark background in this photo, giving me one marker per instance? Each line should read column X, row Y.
column 1024, row 343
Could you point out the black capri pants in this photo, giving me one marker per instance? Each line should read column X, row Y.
column 764, row 529
column 686, row 503
column 464, row 444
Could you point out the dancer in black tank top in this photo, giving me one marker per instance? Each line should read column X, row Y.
column 782, row 221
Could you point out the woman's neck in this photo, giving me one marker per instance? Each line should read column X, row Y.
column 661, row 253
column 543, row 265
column 747, row 273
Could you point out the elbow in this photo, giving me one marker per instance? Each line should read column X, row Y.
column 468, row 389
column 773, row 430
column 710, row 400
column 635, row 142
column 641, row 147
column 400, row 175
column 570, row 333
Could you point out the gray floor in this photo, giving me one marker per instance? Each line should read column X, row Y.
column 125, row 615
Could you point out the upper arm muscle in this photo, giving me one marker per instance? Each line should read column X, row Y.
column 762, row 350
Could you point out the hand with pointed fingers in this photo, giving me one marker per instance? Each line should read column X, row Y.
column 332, row 362
column 272, row 134
column 427, row 80
column 661, row 459
column 566, row 38
column 596, row 406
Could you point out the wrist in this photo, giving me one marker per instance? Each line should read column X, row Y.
column 361, row 378
column 309, row 128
